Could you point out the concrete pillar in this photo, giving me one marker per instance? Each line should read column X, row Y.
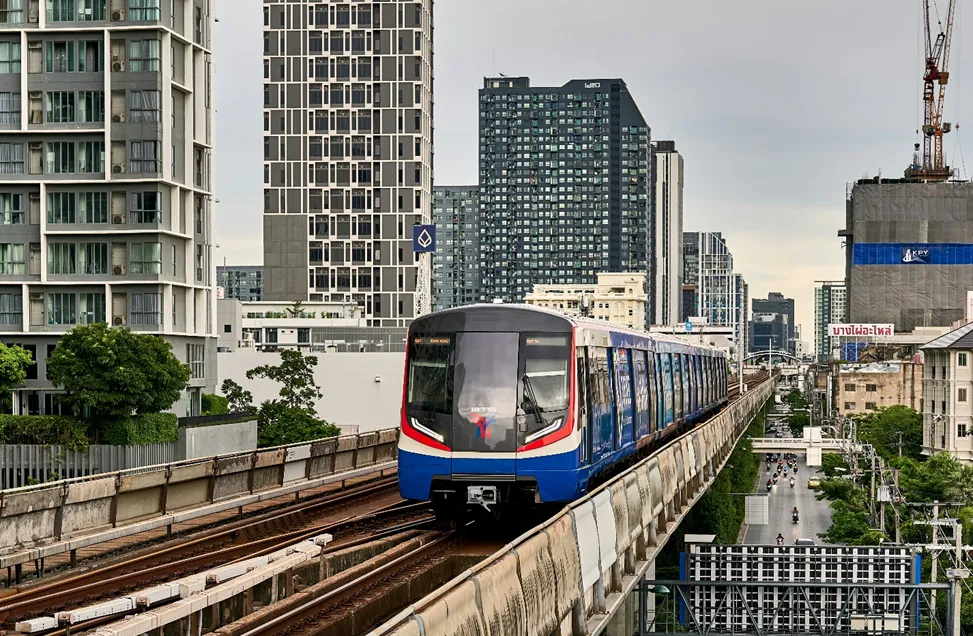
column 650, row 598
column 617, row 624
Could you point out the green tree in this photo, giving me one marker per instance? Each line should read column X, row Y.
column 833, row 465
column 849, row 526
column 796, row 399
column 13, row 369
column 115, row 372
column 279, row 424
column 239, row 399
column 885, row 428
column 295, row 373
column 797, row 422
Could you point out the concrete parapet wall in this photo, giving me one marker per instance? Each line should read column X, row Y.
column 38, row 521
column 218, row 439
column 574, row 573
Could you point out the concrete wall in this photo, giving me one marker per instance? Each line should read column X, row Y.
column 347, row 380
column 206, row 441
column 900, row 384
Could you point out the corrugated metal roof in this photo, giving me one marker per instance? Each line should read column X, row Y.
column 960, row 338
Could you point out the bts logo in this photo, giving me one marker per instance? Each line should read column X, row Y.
column 483, row 424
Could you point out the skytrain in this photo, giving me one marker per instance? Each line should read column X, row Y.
column 510, row 405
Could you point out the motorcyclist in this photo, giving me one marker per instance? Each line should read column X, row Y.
column 792, row 482
column 780, row 539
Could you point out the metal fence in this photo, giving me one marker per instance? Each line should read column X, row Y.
column 25, row 464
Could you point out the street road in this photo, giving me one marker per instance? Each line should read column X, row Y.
column 815, row 516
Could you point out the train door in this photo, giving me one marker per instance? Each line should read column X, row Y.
column 600, row 421
column 677, row 386
column 653, row 389
column 700, row 384
column 622, row 385
column 640, row 375
column 583, row 404
column 667, row 389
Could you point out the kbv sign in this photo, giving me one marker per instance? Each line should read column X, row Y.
column 423, row 238
column 915, row 256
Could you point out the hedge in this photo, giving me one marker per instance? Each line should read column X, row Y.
column 44, row 430
column 215, row 404
column 150, row 428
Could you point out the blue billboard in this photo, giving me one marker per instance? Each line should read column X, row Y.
column 423, row 238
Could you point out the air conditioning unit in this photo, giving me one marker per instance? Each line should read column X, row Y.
column 118, row 219
column 32, row 18
column 118, row 321
column 36, row 295
column 36, row 145
column 118, row 270
column 118, row 16
column 118, row 67
column 117, row 119
column 118, row 168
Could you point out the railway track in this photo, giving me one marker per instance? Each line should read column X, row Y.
column 261, row 535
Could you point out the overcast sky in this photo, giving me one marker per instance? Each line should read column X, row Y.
column 775, row 107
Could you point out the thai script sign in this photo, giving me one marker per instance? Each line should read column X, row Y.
column 861, row 330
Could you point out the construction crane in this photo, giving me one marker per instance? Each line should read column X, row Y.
column 931, row 165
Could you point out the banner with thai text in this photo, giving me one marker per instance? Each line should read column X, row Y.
column 861, row 330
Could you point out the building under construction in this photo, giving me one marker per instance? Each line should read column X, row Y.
column 909, row 252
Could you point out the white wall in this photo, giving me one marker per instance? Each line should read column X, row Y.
column 347, row 380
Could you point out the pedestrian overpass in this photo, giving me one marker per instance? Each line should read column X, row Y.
column 812, row 444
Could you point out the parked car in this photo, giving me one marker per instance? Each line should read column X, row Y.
column 813, row 483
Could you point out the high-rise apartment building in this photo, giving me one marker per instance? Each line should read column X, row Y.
column 722, row 295
column 775, row 303
column 241, row 282
column 830, row 306
column 348, row 153
column 456, row 267
column 668, row 233
column 106, row 137
column 565, row 185
column 690, row 275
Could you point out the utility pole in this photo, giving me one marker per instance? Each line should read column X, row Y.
column 935, row 555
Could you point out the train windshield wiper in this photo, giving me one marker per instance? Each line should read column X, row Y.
column 531, row 401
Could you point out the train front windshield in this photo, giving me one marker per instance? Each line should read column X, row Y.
column 488, row 391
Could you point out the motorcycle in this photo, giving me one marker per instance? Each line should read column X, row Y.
column 780, row 542
column 795, row 469
column 770, row 487
column 792, row 482
column 796, row 518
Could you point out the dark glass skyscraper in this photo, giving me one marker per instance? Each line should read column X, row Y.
column 566, row 189
column 455, row 270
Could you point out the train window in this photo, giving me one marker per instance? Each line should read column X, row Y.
column 653, row 389
column 599, row 394
column 582, row 375
column 546, row 363
column 430, row 371
column 486, row 380
column 676, row 387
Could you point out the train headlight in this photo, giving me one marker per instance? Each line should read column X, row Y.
column 427, row 431
column 547, row 430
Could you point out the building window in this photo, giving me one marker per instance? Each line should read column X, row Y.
column 849, row 388
column 9, row 107
column 60, row 107
column 62, row 309
column 146, row 309
column 12, row 258
column 91, row 106
column 93, row 207
column 9, row 57
column 304, row 335
column 144, row 106
column 227, row 328
column 74, row 10
column 94, row 258
column 91, row 157
column 11, row 158
column 11, row 312
column 144, row 10
column 960, row 359
column 146, row 207
column 271, row 335
column 870, row 406
column 961, row 395
column 849, row 406
column 11, row 209
column 146, row 258
column 60, row 57
column 62, row 258
column 195, row 358
column 871, row 388
column 61, row 207
column 12, row 12
column 961, row 430
column 144, row 55
column 60, row 157
column 146, row 156
column 91, row 309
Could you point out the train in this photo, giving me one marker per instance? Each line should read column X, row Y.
column 507, row 405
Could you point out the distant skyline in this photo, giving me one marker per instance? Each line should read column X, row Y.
column 774, row 108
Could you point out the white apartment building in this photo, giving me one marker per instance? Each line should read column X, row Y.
column 106, row 141
column 947, row 386
column 668, row 233
column 618, row 298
